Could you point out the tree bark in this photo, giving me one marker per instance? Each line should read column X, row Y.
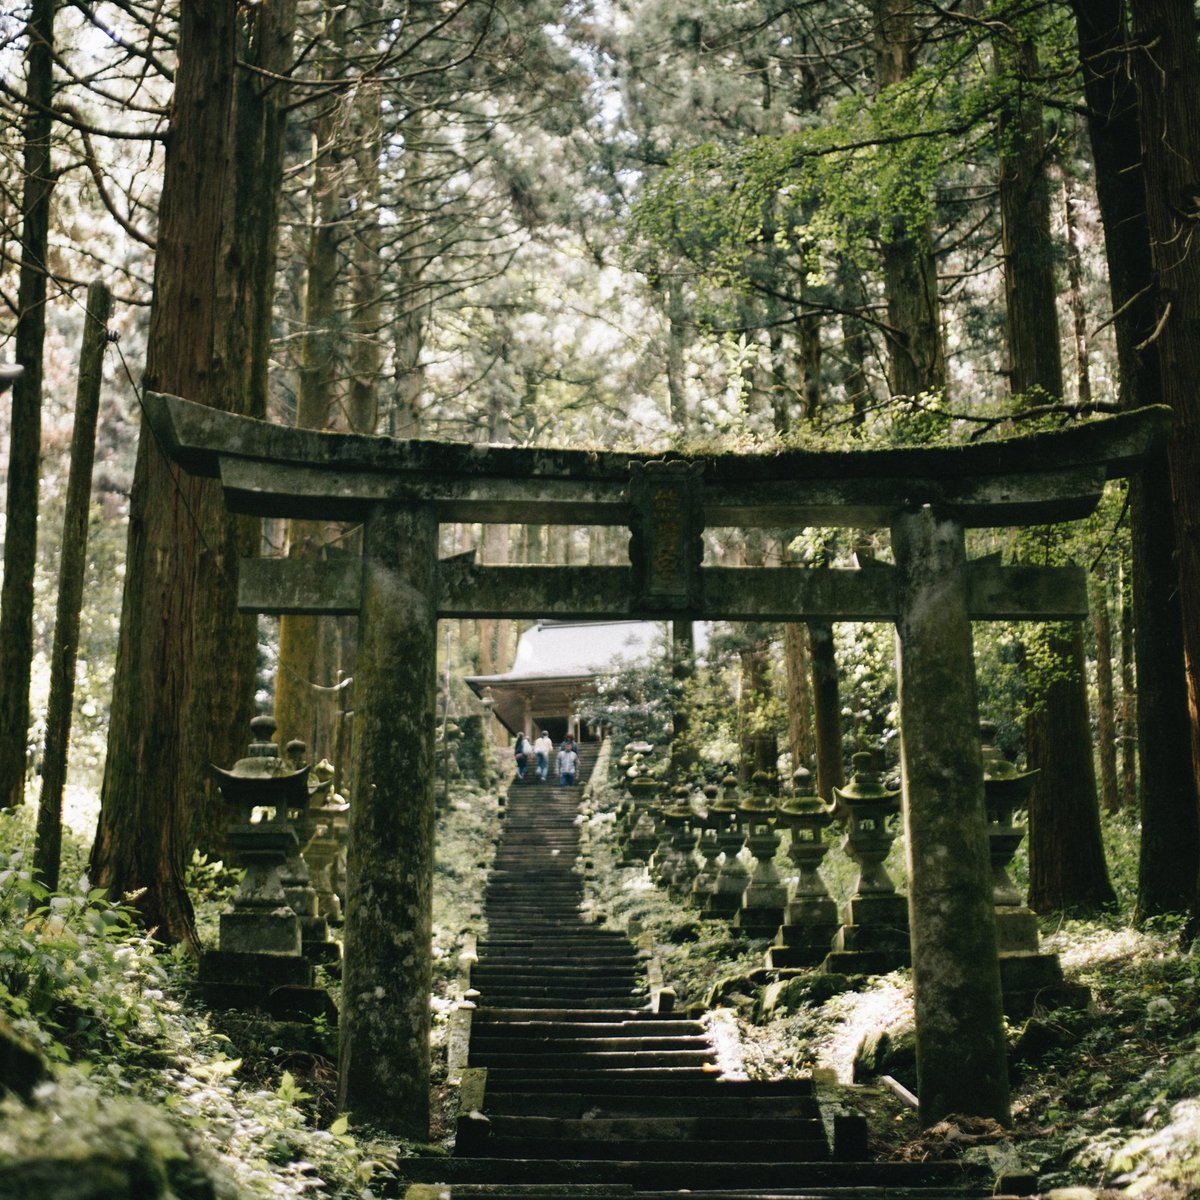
column 301, row 668
column 1036, row 374
column 71, row 568
column 1170, row 846
column 1129, row 706
column 1106, row 716
column 916, row 354
column 827, row 710
column 216, row 728
column 1035, row 353
column 178, row 557
column 25, row 438
column 1062, row 812
column 1167, row 72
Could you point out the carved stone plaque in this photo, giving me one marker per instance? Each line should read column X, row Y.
column 666, row 545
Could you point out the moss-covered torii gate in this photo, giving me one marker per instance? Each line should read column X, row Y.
column 400, row 491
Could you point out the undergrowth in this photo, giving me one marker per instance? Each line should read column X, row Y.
column 146, row 1087
column 1103, row 1097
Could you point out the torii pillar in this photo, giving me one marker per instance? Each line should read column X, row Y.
column 384, row 1023
column 961, row 1063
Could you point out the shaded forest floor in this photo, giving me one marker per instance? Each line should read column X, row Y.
column 212, row 1106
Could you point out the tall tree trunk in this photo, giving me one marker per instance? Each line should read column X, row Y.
column 1036, row 374
column 1061, row 813
column 1028, row 246
column 1106, row 718
column 25, row 438
column 216, row 729
column 1083, row 374
column 1129, row 707
column 1167, row 72
column 916, row 354
column 1170, row 846
column 71, row 570
column 856, row 346
column 827, row 710
column 177, row 550
column 302, row 669
column 677, row 314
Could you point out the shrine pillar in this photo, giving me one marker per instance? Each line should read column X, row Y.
column 961, row 1061
column 384, row 1025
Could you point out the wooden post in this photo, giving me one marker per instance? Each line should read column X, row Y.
column 387, row 977
column 70, row 587
column 961, row 1064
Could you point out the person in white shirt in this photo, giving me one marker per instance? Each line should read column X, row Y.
column 542, row 748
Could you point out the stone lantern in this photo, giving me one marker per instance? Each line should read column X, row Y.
column 725, row 897
column 302, row 896
column 1029, row 978
column 323, row 847
column 765, row 895
column 811, row 918
column 642, row 832
column 873, row 938
column 259, row 963
column 677, row 867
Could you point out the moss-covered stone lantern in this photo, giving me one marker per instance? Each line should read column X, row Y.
column 873, row 938
column 810, row 919
column 259, row 963
column 1029, row 977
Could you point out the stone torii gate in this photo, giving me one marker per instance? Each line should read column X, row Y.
column 401, row 490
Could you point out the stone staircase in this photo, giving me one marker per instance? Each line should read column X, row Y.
column 576, row 1088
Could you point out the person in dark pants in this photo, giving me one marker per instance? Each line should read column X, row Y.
column 568, row 764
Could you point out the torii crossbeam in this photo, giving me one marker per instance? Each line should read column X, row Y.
column 401, row 490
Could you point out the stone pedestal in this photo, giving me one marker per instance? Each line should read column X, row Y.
column 1029, row 978
column 810, row 919
column 873, row 937
column 709, row 849
column 765, row 897
column 725, row 898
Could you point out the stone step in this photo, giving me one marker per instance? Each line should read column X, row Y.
column 800, row 1134
column 574, row 1105
column 552, row 1000
column 487, row 969
column 490, row 1012
column 619, row 1191
column 588, row 1060
column 823, row 1180
column 708, row 1152
column 596, row 1104
column 566, row 1043
column 545, row 1077
column 663, row 1087
column 487, row 1026
column 553, row 955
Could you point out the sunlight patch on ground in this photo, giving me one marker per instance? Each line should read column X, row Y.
column 723, row 1032
column 1081, row 945
column 886, row 1005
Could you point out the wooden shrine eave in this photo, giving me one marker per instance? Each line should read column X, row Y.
column 284, row 586
column 271, row 470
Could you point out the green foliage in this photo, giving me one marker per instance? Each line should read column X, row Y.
column 78, row 973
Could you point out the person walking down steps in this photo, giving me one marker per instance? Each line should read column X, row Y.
column 542, row 748
column 568, row 764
